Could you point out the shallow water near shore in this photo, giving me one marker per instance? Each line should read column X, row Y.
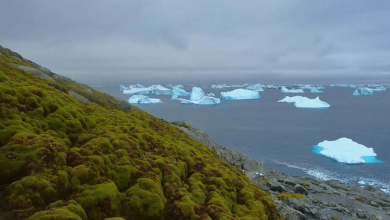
column 281, row 136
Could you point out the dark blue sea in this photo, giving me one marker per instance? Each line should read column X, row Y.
column 281, row 136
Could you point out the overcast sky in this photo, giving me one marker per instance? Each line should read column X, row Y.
column 316, row 38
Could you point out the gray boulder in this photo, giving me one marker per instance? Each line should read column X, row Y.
column 273, row 185
column 300, row 189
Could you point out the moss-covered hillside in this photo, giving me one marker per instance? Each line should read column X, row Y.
column 65, row 158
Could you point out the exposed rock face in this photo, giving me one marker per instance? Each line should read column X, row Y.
column 320, row 199
column 37, row 72
column 78, row 97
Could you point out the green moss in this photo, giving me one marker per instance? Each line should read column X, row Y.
column 54, row 148
column 146, row 198
column 83, row 175
column 30, row 192
column 123, row 175
column 58, row 211
column 100, row 201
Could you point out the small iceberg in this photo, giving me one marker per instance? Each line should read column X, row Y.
column 197, row 94
column 240, row 94
column 206, row 100
column 151, row 90
column 315, row 90
column 379, row 89
column 285, row 90
column 199, row 98
column 211, row 94
column 217, row 87
column 345, row 150
column 139, row 86
column 366, row 91
column 257, row 87
column 141, row 99
column 304, row 102
column 271, row 87
column 177, row 91
column 361, row 182
column 356, row 93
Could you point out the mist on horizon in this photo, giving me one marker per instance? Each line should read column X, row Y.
column 203, row 41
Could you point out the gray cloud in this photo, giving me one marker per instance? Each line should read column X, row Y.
column 105, row 37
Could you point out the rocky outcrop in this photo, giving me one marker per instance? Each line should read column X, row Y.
column 301, row 197
column 78, row 96
column 39, row 73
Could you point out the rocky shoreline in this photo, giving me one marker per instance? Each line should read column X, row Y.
column 302, row 197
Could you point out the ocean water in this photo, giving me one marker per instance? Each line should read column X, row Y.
column 282, row 136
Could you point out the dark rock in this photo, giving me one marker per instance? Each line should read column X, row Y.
column 275, row 186
column 300, row 189
column 123, row 105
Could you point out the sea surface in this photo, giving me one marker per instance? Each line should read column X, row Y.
column 281, row 136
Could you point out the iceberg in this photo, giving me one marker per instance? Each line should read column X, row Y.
column 178, row 86
column 345, row 150
column 361, row 182
column 240, row 94
column 285, row 90
column 366, row 91
column 257, row 87
column 206, row 100
column 217, row 87
column 141, row 99
column 356, row 93
column 211, row 94
column 151, row 90
column 272, row 87
column 199, row 98
column 379, row 89
column 197, row 94
column 304, row 102
column 179, row 91
column 174, row 97
column 315, row 90
column 139, row 86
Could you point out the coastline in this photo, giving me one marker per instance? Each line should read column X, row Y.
column 302, row 197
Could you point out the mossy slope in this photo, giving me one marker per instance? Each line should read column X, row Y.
column 63, row 159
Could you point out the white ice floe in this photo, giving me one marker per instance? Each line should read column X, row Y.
column 151, row 90
column 361, row 182
column 345, row 150
column 240, row 94
column 304, row 102
column 285, row 90
column 257, row 87
column 141, row 99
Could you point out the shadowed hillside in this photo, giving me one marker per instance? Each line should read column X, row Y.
column 68, row 151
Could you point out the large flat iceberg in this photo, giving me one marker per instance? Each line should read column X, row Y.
column 304, row 102
column 151, row 90
column 141, row 99
column 344, row 150
column 285, row 90
column 240, row 94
